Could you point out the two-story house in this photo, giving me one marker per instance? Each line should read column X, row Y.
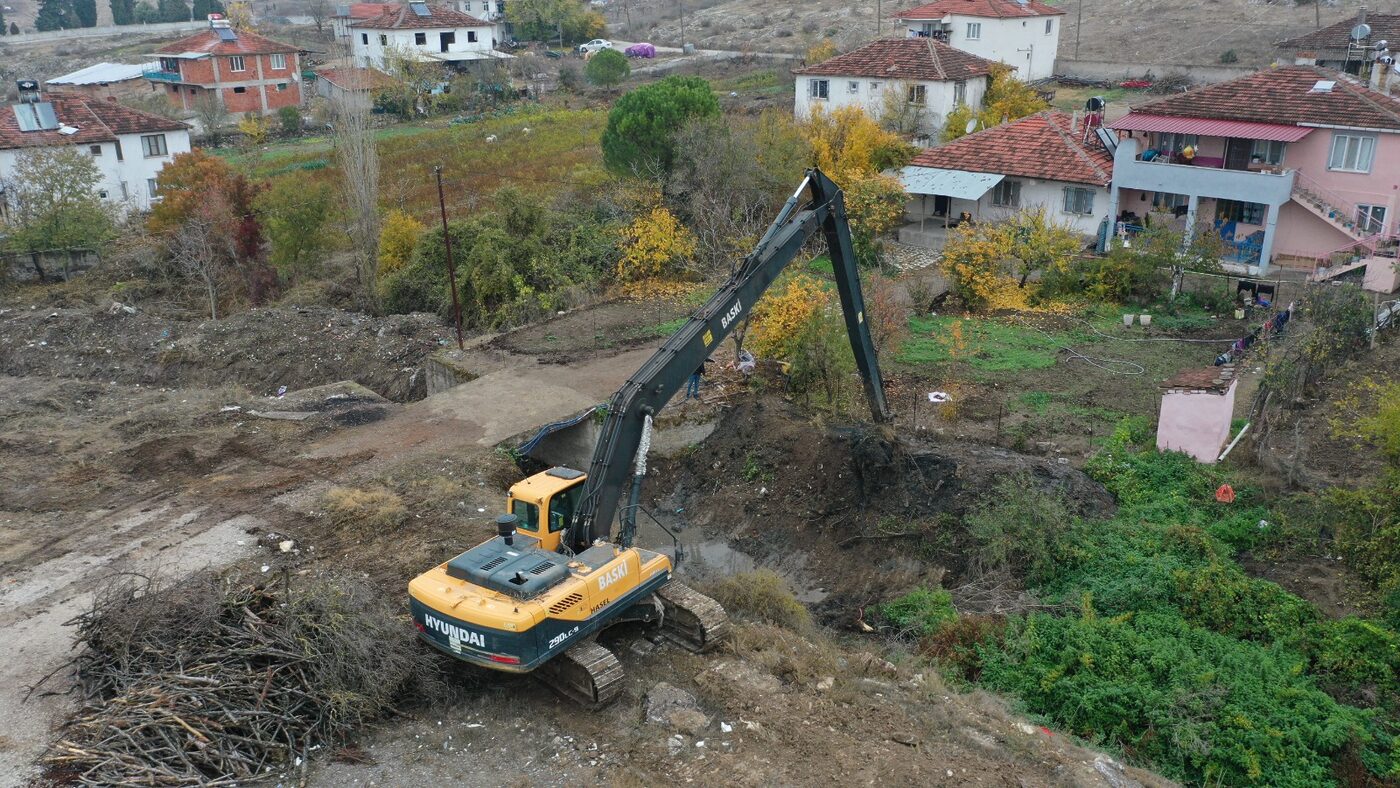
column 424, row 32
column 129, row 147
column 247, row 72
column 921, row 78
column 346, row 15
column 1295, row 166
column 1043, row 161
column 1020, row 33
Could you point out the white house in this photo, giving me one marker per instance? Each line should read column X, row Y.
column 349, row 14
column 424, row 32
column 1020, row 33
column 129, row 147
column 922, row 77
column 1043, row 160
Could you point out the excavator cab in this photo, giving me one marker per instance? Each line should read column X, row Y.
column 545, row 503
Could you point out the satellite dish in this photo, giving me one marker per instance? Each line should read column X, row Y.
column 1360, row 31
column 971, row 126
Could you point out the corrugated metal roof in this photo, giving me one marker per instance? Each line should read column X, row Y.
column 952, row 183
column 104, row 72
column 1207, row 127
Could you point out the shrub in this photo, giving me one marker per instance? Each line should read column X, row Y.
column 289, row 119
column 607, row 68
column 822, row 359
column 1229, row 56
column 375, row 510
column 821, row 51
column 1019, row 526
column 655, row 243
column 764, row 595
column 780, row 316
column 921, row 611
column 973, row 260
column 643, row 123
column 397, row 240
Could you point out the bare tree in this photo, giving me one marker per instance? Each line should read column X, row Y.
column 359, row 166
column 319, row 11
column 211, row 114
column 900, row 115
column 194, row 249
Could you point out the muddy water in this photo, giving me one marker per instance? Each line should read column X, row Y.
column 707, row 558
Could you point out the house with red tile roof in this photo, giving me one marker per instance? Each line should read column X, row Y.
column 1296, row 166
column 245, row 71
column 921, row 78
column 351, row 84
column 129, row 147
column 1043, row 161
column 1333, row 46
column 345, row 15
column 1020, row 33
column 424, row 32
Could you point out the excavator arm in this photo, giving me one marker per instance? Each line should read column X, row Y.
column 620, row 454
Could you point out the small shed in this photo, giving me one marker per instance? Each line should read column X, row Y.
column 1197, row 408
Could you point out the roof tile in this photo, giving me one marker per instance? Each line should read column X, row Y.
column 208, row 42
column 1285, row 95
column 96, row 121
column 401, row 17
column 1338, row 36
column 903, row 58
column 1042, row 146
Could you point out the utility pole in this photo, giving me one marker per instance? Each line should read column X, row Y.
column 447, row 247
column 681, row 4
column 1079, row 27
column 1317, row 14
column 879, row 17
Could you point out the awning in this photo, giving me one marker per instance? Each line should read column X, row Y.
column 951, row 183
column 1205, row 127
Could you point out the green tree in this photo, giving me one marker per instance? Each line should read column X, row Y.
column 145, row 12
column 607, row 69
column 173, row 10
column 55, row 15
column 85, row 12
column 289, row 119
column 642, row 125
column 544, row 20
column 1007, row 99
column 294, row 218
column 123, row 12
column 3, row 26
column 54, row 204
column 203, row 8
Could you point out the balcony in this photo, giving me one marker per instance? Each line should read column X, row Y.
column 162, row 76
column 1130, row 172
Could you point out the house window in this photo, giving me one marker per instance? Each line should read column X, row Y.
column 1237, row 211
column 151, row 187
column 1351, row 153
column 918, row 94
column 974, row 31
column 170, row 64
column 364, row 39
column 960, row 92
column 153, row 145
column 125, row 192
column 852, row 87
column 874, row 87
column 102, row 193
column 235, row 63
column 471, row 36
column 1079, row 200
column 1267, row 152
column 1169, row 201
column 383, row 40
column 1171, row 143
column 818, row 88
column 1007, row 194
column 281, row 86
column 421, row 39
column 1371, row 219
column 240, row 90
column 1049, row 25
column 96, row 150
column 279, row 62
column 117, row 146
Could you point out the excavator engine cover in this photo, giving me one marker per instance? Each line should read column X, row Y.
column 518, row 570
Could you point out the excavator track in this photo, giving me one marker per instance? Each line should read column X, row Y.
column 587, row 674
column 693, row 620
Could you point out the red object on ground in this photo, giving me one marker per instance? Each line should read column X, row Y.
column 1225, row 494
column 1136, row 83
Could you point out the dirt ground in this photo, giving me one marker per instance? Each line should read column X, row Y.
column 121, row 455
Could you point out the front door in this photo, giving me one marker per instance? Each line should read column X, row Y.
column 1237, row 154
column 446, row 40
column 940, row 204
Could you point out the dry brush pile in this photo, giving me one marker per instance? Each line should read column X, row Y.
column 218, row 681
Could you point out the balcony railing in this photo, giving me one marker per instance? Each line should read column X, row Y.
column 162, row 76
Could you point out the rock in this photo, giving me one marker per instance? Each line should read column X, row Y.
column 873, row 664
column 826, row 683
column 674, row 745
column 691, row 721
column 1112, row 772
column 664, row 699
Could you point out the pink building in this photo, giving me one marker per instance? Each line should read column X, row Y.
column 1197, row 408
column 1295, row 166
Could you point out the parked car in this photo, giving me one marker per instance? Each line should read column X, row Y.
column 596, row 45
column 640, row 50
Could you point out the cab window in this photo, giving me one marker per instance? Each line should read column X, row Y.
column 528, row 513
column 561, row 508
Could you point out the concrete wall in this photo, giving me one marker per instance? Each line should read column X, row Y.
column 869, row 95
column 1118, row 71
column 1024, row 43
column 1196, row 422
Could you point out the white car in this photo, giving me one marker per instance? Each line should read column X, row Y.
column 594, row 46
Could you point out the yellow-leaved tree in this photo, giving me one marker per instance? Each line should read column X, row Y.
column 973, row 259
column 655, row 242
column 397, row 240
column 254, row 128
column 821, row 51
column 1007, row 99
column 778, row 319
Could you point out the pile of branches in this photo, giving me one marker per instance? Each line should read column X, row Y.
column 218, row 681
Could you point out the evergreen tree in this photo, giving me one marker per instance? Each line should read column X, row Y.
column 54, row 15
column 3, row 26
column 123, row 12
column 173, row 10
column 85, row 12
column 14, row 28
column 203, row 8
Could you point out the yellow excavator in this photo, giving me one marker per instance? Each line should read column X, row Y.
column 535, row 597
